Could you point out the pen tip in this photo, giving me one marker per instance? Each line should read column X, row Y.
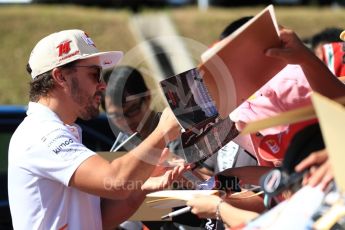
column 165, row 217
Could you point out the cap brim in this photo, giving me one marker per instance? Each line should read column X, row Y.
column 342, row 36
column 107, row 59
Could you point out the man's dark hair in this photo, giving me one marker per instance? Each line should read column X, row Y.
column 327, row 35
column 41, row 85
column 125, row 81
column 234, row 26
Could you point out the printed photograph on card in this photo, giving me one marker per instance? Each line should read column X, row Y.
column 205, row 132
column 188, row 98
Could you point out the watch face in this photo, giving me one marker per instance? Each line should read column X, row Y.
column 271, row 181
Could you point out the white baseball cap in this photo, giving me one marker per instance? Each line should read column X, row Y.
column 63, row 47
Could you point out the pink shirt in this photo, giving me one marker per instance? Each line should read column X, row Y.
column 288, row 90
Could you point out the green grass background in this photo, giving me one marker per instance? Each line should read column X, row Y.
column 23, row 25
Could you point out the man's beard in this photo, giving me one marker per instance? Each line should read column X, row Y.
column 87, row 109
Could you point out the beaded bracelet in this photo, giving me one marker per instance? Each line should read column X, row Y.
column 218, row 217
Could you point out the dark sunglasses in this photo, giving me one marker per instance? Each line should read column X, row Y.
column 132, row 111
column 95, row 67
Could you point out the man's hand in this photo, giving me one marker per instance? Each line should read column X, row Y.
column 204, row 206
column 161, row 182
column 292, row 50
column 320, row 169
column 167, row 162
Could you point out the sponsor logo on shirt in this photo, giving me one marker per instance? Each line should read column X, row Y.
column 272, row 145
column 62, row 145
column 46, row 136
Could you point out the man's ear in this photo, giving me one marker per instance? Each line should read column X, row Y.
column 58, row 76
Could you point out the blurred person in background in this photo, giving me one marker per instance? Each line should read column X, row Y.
column 128, row 106
column 327, row 35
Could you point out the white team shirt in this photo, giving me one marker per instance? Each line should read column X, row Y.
column 43, row 155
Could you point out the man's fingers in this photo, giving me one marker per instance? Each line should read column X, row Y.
column 177, row 171
column 315, row 158
column 318, row 175
column 326, row 180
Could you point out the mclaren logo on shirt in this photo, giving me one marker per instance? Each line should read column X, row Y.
column 62, row 145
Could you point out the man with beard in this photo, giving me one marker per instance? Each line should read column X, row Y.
column 54, row 181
